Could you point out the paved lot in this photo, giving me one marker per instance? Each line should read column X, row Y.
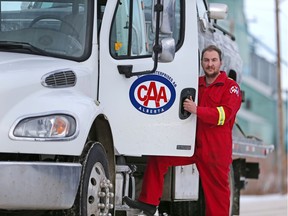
column 268, row 205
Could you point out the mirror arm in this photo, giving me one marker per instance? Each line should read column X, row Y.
column 157, row 48
column 225, row 32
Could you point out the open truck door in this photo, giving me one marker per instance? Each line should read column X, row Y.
column 134, row 96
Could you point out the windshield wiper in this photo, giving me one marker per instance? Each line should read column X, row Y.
column 21, row 46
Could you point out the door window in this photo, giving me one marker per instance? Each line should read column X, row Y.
column 132, row 34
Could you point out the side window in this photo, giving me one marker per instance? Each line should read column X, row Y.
column 132, row 40
column 119, row 33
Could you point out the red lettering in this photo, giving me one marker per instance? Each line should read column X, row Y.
column 162, row 94
column 139, row 95
column 151, row 94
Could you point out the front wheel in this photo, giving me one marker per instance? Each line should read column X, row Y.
column 95, row 195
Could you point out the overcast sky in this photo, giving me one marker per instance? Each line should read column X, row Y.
column 262, row 24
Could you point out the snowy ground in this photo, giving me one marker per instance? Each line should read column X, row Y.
column 264, row 205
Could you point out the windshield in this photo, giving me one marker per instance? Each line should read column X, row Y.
column 50, row 27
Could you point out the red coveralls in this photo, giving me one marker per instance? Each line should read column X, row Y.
column 216, row 111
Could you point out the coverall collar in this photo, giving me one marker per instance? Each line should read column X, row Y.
column 220, row 80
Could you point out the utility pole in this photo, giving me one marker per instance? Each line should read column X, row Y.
column 281, row 151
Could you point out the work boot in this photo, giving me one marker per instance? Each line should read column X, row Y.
column 148, row 209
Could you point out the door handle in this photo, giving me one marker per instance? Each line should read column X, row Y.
column 185, row 93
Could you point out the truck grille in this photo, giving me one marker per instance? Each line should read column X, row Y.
column 59, row 79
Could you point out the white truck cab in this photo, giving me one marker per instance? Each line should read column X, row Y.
column 89, row 88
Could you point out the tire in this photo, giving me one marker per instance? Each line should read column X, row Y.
column 95, row 195
column 21, row 213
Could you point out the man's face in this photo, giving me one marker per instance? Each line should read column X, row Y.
column 211, row 63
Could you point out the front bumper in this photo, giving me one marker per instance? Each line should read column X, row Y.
column 38, row 185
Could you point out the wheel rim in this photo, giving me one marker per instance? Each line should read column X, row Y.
column 99, row 192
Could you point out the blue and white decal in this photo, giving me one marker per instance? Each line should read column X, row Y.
column 153, row 94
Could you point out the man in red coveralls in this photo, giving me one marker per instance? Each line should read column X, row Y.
column 218, row 102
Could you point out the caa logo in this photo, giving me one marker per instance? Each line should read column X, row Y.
column 235, row 90
column 152, row 94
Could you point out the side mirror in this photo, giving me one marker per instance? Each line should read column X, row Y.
column 163, row 19
column 217, row 11
column 167, row 50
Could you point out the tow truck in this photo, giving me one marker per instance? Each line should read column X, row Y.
column 90, row 88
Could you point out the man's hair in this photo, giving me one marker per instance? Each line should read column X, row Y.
column 212, row 48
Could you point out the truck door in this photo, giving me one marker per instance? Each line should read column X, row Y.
column 145, row 110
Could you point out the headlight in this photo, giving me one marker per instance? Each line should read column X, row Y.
column 43, row 127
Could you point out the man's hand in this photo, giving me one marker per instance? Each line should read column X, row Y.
column 190, row 106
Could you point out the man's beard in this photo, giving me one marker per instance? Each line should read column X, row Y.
column 212, row 75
